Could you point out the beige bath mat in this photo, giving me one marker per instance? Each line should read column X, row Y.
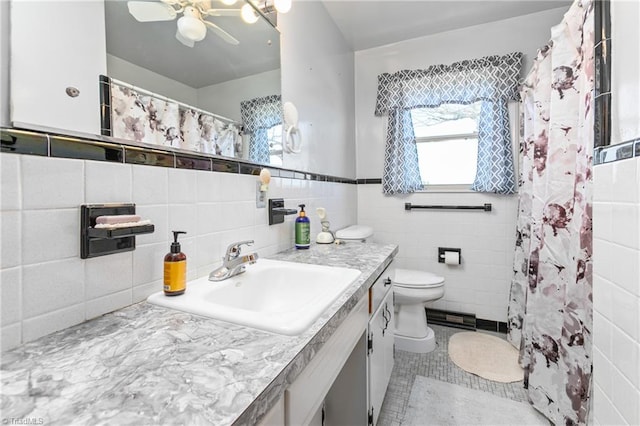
column 486, row 356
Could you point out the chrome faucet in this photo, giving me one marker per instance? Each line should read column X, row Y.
column 233, row 263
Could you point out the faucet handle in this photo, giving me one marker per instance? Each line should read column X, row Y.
column 234, row 248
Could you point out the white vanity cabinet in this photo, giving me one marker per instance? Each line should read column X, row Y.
column 323, row 376
column 380, row 356
column 345, row 382
column 57, row 45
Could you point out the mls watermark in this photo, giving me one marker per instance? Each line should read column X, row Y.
column 22, row 421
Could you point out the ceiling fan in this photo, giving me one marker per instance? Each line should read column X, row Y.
column 192, row 25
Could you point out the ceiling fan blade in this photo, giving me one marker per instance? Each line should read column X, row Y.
column 145, row 11
column 221, row 33
column 221, row 12
column 182, row 39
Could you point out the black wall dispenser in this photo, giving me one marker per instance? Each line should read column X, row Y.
column 96, row 242
column 442, row 251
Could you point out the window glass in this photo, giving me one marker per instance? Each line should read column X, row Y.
column 274, row 134
column 447, row 143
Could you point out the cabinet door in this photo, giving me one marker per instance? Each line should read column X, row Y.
column 55, row 45
column 380, row 360
column 305, row 395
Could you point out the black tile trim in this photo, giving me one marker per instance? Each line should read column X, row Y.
column 63, row 147
column 603, row 67
column 225, row 166
column 193, row 163
column 369, row 181
column 602, row 120
column 602, row 58
column 21, row 142
column 85, row 147
column 149, row 157
column 105, row 105
column 250, row 169
column 602, row 12
column 617, row 152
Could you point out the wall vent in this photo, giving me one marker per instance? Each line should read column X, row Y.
column 451, row 319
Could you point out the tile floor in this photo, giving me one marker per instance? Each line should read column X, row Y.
column 435, row 365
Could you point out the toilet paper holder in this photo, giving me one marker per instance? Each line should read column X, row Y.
column 442, row 250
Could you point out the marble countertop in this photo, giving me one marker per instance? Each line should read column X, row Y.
column 145, row 364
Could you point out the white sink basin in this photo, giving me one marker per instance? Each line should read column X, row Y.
column 272, row 295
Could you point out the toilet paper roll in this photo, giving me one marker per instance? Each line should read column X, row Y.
column 451, row 257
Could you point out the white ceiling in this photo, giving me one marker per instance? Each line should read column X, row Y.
column 370, row 23
column 153, row 45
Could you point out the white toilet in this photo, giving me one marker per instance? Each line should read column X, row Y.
column 412, row 289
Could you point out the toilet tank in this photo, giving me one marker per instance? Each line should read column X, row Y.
column 355, row 233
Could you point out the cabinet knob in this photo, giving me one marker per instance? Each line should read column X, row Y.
column 72, row 91
column 387, row 282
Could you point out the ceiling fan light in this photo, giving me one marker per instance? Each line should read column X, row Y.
column 282, row 6
column 228, row 2
column 248, row 14
column 192, row 28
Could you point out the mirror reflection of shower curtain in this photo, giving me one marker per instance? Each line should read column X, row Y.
column 258, row 116
column 550, row 306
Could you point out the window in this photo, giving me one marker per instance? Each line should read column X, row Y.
column 274, row 135
column 447, row 142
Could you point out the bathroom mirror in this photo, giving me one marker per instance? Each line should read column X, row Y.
column 214, row 75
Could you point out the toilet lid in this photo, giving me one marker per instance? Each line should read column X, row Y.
column 355, row 232
column 413, row 278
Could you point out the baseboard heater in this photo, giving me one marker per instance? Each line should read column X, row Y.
column 451, row 319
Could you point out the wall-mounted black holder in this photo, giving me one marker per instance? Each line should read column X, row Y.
column 96, row 242
column 277, row 212
column 441, row 251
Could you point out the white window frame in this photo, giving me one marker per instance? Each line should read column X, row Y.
column 447, row 187
column 514, row 123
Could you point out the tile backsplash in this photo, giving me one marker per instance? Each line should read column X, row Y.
column 45, row 286
column 481, row 284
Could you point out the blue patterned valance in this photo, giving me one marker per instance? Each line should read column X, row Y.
column 492, row 80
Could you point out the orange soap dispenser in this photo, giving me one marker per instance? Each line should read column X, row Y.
column 175, row 268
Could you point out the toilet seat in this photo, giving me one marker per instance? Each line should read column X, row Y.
column 416, row 279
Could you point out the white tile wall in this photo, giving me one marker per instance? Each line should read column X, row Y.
column 107, row 183
column 480, row 285
column 616, row 298
column 10, row 175
column 50, row 184
column 44, row 284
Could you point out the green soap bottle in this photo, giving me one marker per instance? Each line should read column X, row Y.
column 303, row 230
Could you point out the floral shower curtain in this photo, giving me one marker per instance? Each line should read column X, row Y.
column 550, row 308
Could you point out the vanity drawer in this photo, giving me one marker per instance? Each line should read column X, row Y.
column 378, row 291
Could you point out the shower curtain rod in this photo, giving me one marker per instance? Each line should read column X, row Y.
column 409, row 206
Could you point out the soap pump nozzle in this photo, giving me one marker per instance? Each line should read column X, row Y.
column 175, row 245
